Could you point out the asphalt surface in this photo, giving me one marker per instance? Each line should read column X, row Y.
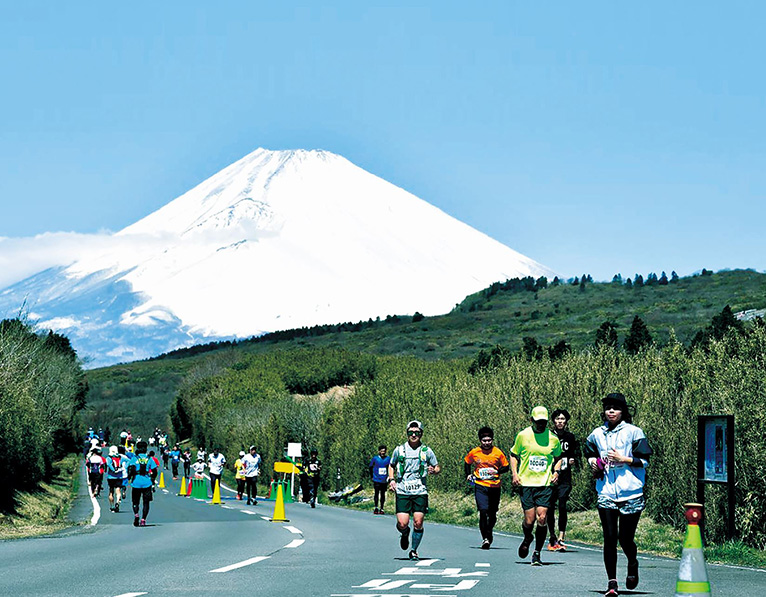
column 192, row 548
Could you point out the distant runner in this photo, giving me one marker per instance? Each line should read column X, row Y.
column 410, row 464
column 570, row 452
column 239, row 474
column 534, row 454
column 379, row 472
column 186, row 459
column 483, row 466
column 96, row 465
column 116, row 469
column 216, row 462
column 198, row 468
column 618, row 453
column 252, row 462
column 142, row 471
column 175, row 460
column 313, row 467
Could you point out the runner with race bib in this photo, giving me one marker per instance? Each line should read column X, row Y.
column 535, row 462
column 410, row 464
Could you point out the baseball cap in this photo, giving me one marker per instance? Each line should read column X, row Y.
column 540, row 413
column 112, row 450
column 415, row 423
column 242, row 453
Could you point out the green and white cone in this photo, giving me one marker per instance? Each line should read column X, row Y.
column 692, row 574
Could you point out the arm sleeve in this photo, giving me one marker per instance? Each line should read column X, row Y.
column 590, row 450
column 641, row 451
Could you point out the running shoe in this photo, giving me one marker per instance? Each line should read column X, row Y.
column 404, row 540
column 142, row 523
column 111, row 508
column 117, row 507
column 375, row 511
column 631, row 581
column 135, row 521
column 485, row 544
column 536, row 561
column 524, row 549
column 554, row 546
column 255, row 502
column 611, row 589
column 249, row 502
column 414, row 555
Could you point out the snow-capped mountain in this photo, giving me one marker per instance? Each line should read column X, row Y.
column 277, row 240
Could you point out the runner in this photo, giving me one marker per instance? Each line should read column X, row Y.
column 165, row 451
column 125, row 463
column 313, row 467
column 142, row 471
column 157, row 462
column 534, row 466
column 96, row 465
column 199, row 468
column 186, row 459
column 202, row 454
column 175, row 460
column 618, row 453
column 116, row 468
column 252, row 462
column 216, row 462
column 379, row 471
column 410, row 464
column 483, row 466
column 239, row 475
column 570, row 452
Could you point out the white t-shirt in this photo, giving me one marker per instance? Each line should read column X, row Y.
column 198, row 468
column 216, row 463
column 252, row 464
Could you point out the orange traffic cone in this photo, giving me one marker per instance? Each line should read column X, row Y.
column 189, row 489
column 279, row 507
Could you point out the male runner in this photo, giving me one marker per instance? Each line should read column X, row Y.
column 410, row 464
column 379, row 471
column 560, row 491
column 313, row 467
column 142, row 471
column 216, row 462
column 483, row 466
column 534, row 454
column 116, row 465
column 252, row 462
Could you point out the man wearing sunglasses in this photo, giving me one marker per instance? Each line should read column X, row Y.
column 410, row 464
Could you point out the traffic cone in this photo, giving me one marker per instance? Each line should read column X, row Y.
column 288, row 492
column 189, row 489
column 692, row 574
column 273, row 490
column 216, row 493
column 162, row 481
column 183, row 486
column 279, row 507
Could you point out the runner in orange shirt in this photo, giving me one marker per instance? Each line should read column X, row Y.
column 483, row 467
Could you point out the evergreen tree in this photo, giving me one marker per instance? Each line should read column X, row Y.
column 638, row 282
column 651, row 279
column 638, row 337
column 628, row 283
column 531, row 349
column 617, row 280
column 576, row 281
column 582, row 284
column 556, row 281
column 663, row 279
column 418, row 316
column 541, row 282
column 673, row 276
column 559, row 350
column 724, row 322
column 606, row 335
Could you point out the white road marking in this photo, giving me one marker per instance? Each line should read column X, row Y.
column 266, row 518
column 426, row 562
column 482, row 565
column 248, row 512
column 96, row 511
column 132, row 594
column 293, row 530
column 241, row 564
column 295, row 543
column 228, row 508
column 165, row 491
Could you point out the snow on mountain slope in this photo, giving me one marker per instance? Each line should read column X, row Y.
column 277, row 240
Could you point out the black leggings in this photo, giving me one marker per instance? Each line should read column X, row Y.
column 380, row 494
column 618, row 528
column 559, row 498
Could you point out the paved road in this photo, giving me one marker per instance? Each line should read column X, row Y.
column 191, row 548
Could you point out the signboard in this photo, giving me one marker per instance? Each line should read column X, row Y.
column 716, row 449
column 285, row 467
column 294, row 450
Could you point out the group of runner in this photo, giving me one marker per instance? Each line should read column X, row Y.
column 540, row 463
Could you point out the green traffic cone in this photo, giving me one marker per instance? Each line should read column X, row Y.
column 692, row 573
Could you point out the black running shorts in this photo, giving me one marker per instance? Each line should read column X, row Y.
column 487, row 498
column 409, row 504
column 146, row 492
column 536, row 497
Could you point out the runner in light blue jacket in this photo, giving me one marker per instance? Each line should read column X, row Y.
column 618, row 453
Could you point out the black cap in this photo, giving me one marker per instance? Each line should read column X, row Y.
column 615, row 398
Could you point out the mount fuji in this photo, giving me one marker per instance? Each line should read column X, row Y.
column 277, row 240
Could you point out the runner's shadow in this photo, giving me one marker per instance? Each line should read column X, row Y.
column 490, row 549
column 624, row 592
column 405, row 559
column 526, row 563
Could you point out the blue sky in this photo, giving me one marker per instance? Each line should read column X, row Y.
column 596, row 137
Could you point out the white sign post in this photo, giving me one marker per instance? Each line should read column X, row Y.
column 293, row 451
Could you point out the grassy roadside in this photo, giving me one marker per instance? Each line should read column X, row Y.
column 44, row 511
column 583, row 527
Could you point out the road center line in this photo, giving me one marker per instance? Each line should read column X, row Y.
column 295, row 543
column 293, row 530
column 240, row 564
column 96, row 511
column 131, row 594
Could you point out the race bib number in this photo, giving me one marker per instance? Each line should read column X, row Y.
column 382, row 471
column 412, row 486
column 486, row 473
column 538, row 464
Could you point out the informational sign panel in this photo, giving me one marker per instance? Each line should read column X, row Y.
column 294, row 450
column 716, row 449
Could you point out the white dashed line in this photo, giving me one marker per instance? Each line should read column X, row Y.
column 131, row 594
column 294, row 531
column 482, row 565
column 295, row 543
column 266, row 518
column 229, row 508
column 248, row 512
column 241, row 564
